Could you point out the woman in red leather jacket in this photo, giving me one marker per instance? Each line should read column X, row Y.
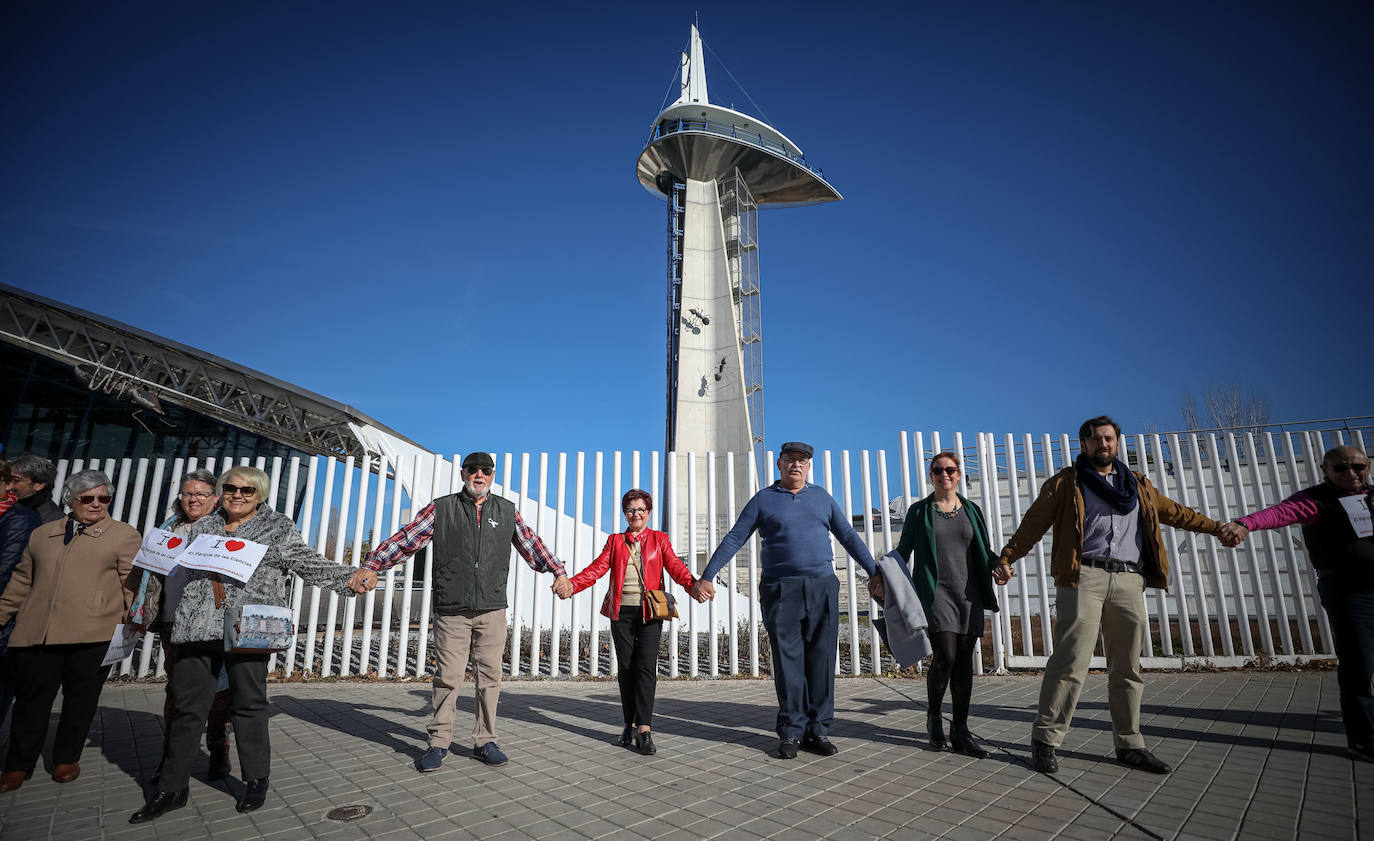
column 636, row 560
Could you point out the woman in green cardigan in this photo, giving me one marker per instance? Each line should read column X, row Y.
column 945, row 538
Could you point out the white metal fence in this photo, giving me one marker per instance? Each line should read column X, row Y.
column 1223, row 606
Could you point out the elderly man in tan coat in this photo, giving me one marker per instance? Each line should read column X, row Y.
column 67, row 595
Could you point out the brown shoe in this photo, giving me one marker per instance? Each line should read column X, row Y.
column 66, row 772
column 11, row 780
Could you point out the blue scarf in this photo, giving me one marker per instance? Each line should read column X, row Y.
column 1118, row 490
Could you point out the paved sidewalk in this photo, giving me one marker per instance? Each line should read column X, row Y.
column 1256, row 755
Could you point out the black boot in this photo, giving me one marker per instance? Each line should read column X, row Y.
column 160, row 804
column 627, row 738
column 254, row 796
column 935, row 726
column 963, row 743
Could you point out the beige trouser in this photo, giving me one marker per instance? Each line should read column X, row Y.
column 484, row 633
column 1112, row 602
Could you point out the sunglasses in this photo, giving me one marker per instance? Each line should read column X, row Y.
column 241, row 490
column 473, row 471
column 629, row 511
column 948, row 471
column 89, row 498
column 1350, row 467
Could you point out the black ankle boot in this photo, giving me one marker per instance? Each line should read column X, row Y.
column 160, row 804
column 935, row 726
column 254, row 796
column 963, row 743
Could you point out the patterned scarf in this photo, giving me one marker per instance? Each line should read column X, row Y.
column 74, row 527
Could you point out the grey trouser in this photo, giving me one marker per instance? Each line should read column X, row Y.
column 483, row 633
column 1113, row 603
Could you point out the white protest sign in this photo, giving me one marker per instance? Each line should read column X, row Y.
column 122, row 644
column 1358, row 511
column 225, row 555
column 160, row 551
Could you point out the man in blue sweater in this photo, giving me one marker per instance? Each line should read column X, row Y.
column 798, row 592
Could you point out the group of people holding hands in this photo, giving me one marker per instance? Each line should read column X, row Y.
column 73, row 581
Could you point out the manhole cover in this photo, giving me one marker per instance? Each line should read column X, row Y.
column 349, row 813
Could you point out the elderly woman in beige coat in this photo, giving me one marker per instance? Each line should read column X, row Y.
column 67, row 595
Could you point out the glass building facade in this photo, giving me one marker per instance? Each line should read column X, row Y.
column 47, row 410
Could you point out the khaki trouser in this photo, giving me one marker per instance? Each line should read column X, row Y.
column 483, row 632
column 1112, row 602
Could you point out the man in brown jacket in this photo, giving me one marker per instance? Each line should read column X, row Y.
column 1107, row 549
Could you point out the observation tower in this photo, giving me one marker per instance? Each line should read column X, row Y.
column 716, row 167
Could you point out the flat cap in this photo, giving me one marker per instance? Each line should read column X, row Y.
column 478, row 459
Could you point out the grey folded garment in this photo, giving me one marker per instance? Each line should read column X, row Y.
column 903, row 626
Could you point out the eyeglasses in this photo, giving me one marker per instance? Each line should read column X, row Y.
column 201, row 495
column 473, row 471
column 633, row 511
column 795, row 459
column 89, row 498
column 244, row 490
column 1350, row 467
column 948, row 471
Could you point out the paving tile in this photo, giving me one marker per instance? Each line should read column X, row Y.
column 1257, row 769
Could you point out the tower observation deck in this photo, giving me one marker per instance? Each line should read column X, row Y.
column 716, row 167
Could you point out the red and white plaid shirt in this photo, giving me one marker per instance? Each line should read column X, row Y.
column 417, row 534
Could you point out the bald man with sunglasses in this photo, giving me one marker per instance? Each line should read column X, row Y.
column 1335, row 517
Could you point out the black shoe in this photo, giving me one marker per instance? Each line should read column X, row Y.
column 935, row 726
column 160, row 804
column 1043, row 758
column 627, row 737
column 962, row 742
column 644, row 740
column 219, row 766
column 787, row 748
column 1363, row 750
column 1142, row 760
column 254, row 796
column 819, row 745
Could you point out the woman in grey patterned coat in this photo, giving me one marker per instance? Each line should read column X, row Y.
column 198, row 634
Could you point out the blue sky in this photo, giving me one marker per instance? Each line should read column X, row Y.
column 429, row 211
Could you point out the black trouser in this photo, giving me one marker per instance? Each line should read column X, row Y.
column 802, row 617
column 636, row 651
column 40, row 671
column 1350, row 609
column 194, row 679
column 216, row 727
column 952, row 666
column 6, row 684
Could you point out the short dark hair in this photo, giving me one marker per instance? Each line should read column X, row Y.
column 632, row 495
column 1086, row 430
column 36, row 468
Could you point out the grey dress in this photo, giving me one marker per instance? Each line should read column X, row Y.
column 958, row 606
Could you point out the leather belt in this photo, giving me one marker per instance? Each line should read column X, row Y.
column 1109, row 565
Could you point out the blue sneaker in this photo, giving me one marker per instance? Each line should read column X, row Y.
column 490, row 754
column 432, row 760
